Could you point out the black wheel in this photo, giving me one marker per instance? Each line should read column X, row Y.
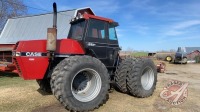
column 81, row 83
column 44, row 85
column 121, row 73
column 141, row 82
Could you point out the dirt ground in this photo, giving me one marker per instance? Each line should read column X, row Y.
column 17, row 95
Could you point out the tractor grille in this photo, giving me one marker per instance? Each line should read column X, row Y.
column 17, row 66
column 15, row 60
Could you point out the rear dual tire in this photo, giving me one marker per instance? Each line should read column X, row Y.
column 136, row 76
column 122, row 72
column 141, row 82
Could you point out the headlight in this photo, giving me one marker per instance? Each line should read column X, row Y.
column 16, row 53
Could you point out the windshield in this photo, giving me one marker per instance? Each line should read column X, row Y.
column 76, row 31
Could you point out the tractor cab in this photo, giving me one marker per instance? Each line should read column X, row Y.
column 97, row 35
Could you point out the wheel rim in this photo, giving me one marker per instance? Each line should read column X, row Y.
column 169, row 58
column 86, row 85
column 147, row 78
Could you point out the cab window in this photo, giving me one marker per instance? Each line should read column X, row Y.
column 96, row 29
column 77, row 30
column 112, row 33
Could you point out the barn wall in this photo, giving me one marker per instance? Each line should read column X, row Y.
column 6, row 52
column 192, row 55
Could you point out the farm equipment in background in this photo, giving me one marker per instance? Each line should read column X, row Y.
column 165, row 56
column 6, row 64
column 181, row 56
column 79, row 69
column 161, row 67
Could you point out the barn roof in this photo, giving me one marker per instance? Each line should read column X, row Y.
column 35, row 27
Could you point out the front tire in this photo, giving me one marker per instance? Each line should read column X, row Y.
column 141, row 82
column 81, row 83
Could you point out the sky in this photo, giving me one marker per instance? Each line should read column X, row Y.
column 148, row 25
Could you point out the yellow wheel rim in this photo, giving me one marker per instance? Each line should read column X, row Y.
column 169, row 58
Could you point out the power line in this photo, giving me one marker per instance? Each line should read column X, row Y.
column 25, row 6
column 34, row 7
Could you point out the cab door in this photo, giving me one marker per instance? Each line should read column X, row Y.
column 95, row 39
column 113, row 45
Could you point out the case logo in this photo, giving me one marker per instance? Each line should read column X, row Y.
column 33, row 54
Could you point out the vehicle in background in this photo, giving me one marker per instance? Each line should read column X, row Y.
column 165, row 56
column 181, row 55
column 187, row 54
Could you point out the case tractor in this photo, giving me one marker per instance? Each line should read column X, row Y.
column 78, row 70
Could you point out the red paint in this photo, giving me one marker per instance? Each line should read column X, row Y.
column 69, row 46
column 30, row 67
column 64, row 46
column 87, row 16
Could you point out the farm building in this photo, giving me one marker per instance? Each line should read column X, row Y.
column 33, row 28
column 192, row 53
column 191, row 49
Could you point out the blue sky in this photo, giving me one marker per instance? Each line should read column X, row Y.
column 148, row 25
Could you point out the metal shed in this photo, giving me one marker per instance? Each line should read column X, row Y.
column 35, row 27
column 191, row 49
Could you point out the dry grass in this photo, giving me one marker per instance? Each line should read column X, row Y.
column 18, row 95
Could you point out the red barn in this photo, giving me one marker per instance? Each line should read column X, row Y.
column 193, row 55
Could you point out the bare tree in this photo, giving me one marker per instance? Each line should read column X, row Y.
column 10, row 9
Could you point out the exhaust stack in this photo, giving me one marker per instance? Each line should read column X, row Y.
column 52, row 32
column 54, row 15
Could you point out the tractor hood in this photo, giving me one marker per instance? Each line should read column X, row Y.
column 31, row 60
column 64, row 46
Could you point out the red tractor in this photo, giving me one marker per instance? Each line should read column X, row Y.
column 78, row 70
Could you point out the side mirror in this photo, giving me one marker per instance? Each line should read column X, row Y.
column 115, row 24
column 120, row 47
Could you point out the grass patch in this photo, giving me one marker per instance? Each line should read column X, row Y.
column 12, row 80
column 139, row 54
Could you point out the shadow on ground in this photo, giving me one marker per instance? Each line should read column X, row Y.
column 56, row 107
column 8, row 74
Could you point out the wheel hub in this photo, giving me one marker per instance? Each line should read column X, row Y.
column 169, row 58
column 80, row 82
column 147, row 78
column 86, row 85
